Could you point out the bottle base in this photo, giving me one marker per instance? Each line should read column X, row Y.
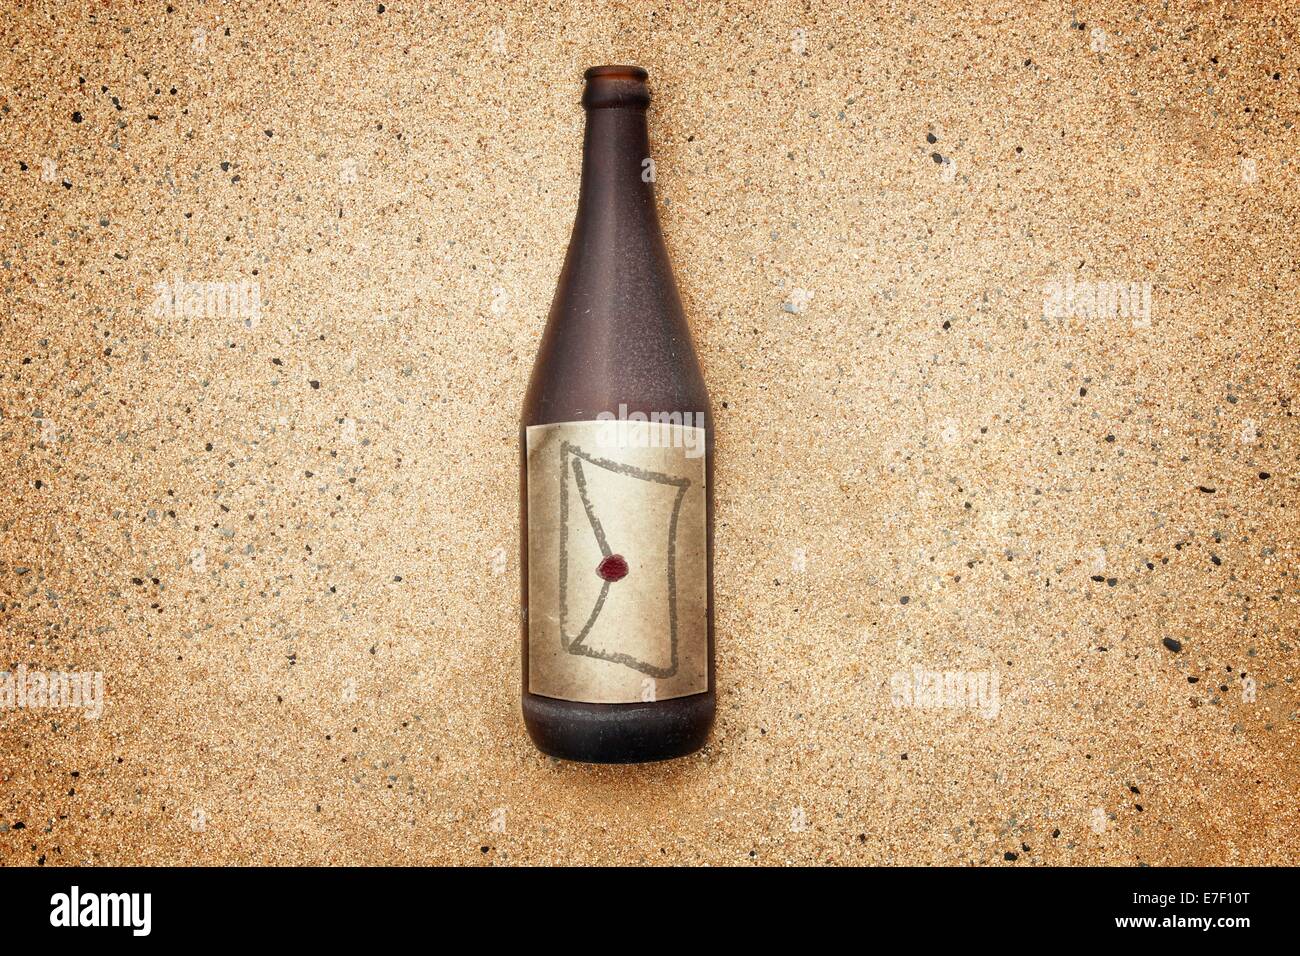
column 619, row 733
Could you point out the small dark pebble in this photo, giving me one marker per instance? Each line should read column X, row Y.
column 1172, row 644
column 1010, row 857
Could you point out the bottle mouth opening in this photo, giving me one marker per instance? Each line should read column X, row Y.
column 622, row 72
column 610, row 87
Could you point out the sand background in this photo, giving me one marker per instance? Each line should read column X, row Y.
column 290, row 543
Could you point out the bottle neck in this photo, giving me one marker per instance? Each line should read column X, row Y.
column 617, row 171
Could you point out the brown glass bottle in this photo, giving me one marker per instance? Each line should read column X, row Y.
column 617, row 474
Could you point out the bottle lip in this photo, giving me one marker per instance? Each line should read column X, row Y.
column 627, row 72
column 609, row 87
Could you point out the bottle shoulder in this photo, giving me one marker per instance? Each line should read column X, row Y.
column 583, row 370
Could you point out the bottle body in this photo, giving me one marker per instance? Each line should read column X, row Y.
column 616, row 475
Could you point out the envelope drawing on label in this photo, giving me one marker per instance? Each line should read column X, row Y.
column 618, row 561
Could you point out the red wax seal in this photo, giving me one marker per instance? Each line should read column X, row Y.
column 613, row 568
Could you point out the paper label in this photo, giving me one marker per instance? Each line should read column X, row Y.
column 617, row 561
